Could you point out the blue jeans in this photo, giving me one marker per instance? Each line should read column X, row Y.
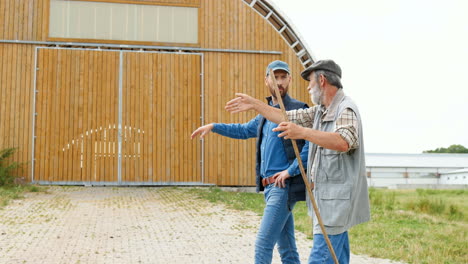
column 321, row 254
column 277, row 226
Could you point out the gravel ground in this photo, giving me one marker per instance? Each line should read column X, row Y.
column 130, row 225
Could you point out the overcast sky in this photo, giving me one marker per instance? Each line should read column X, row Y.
column 404, row 63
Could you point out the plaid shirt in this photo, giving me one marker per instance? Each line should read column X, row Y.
column 346, row 124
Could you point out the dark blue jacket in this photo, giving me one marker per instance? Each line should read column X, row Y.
column 296, row 183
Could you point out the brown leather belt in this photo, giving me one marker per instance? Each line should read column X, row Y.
column 268, row 181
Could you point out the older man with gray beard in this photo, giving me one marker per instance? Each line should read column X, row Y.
column 336, row 165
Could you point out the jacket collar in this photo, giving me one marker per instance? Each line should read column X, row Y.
column 330, row 112
column 286, row 101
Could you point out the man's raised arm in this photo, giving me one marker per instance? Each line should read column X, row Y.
column 244, row 102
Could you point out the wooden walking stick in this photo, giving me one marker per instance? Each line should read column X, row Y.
column 301, row 168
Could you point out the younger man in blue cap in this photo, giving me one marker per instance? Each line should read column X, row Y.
column 277, row 171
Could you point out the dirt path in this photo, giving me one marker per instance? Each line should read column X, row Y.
column 129, row 225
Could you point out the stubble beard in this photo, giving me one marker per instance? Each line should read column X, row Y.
column 283, row 93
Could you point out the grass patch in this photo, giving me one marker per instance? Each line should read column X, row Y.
column 414, row 226
column 8, row 193
column 234, row 200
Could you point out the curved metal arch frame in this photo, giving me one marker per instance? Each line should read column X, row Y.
column 284, row 27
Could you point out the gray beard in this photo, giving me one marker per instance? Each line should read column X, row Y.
column 316, row 97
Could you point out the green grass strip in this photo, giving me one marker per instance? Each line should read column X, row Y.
column 413, row 226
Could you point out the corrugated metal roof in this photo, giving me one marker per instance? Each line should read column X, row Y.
column 425, row 160
column 462, row 172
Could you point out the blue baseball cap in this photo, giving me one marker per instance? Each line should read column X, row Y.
column 277, row 65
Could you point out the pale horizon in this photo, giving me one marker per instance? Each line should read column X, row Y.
column 403, row 63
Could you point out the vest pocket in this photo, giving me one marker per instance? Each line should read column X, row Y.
column 335, row 204
column 330, row 167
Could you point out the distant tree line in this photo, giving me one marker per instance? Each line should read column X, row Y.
column 451, row 149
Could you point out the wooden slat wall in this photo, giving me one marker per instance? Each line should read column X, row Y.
column 76, row 123
column 231, row 161
column 24, row 19
column 234, row 25
column 161, row 106
column 16, row 81
column 227, row 24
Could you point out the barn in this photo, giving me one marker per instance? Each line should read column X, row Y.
column 107, row 92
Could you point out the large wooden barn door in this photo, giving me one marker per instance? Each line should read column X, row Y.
column 110, row 117
column 161, row 107
column 76, row 122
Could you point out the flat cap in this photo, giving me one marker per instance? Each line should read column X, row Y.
column 326, row 65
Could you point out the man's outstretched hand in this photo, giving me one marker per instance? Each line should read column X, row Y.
column 241, row 103
column 202, row 131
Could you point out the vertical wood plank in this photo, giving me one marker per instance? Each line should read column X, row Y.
column 2, row 21
column 79, row 121
column 15, row 101
column 101, row 102
column 144, row 144
column 132, row 114
column 75, row 121
column 171, row 113
column 17, row 19
column 181, row 147
column 84, row 76
column 167, row 120
column 209, row 161
column 197, row 143
column 94, row 64
column 105, row 120
column 153, row 117
column 113, row 108
column 126, row 84
column 45, row 20
column 39, row 119
column 65, row 105
column 9, row 14
column 138, row 118
column 193, row 114
column 28, row 21
column 81, row 114
column 26, row 111
column 35, row 20
column 160, row 117
column 114, row 114
column 9, row 93
column 61, row 104
column 42, row 115
column 39, row 20
column 54, row 111
column 49, row 115
column 107, row 91
column 71, row 116
column 127, row 115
